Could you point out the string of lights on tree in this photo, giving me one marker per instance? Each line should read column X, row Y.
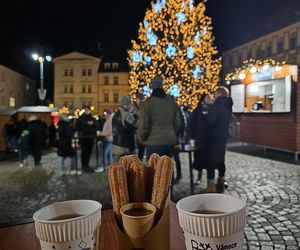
column 253, row 66
column 175, row 41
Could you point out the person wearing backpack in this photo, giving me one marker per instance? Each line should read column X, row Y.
column 124, row 125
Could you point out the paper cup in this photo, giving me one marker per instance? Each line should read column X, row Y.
column 192, row 143
column 71, row 233
column 216, row 231
column 136, row 226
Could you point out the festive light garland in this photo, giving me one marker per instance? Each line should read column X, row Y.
column 253, row 66
column 175, row 41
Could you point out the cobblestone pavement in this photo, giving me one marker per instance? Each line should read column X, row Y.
column 270, row 188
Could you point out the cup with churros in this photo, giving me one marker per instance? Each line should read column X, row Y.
column 142, row 188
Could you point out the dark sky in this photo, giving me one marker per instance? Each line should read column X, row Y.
column 59, row 26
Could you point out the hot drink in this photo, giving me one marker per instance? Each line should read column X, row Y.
column 138, row 212
column 65, row 217
column 207, row 212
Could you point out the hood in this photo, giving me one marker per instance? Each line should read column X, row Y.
column 225, row 102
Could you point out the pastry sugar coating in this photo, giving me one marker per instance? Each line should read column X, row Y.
column 118, row 187
column 162, row 182
column 137, row 182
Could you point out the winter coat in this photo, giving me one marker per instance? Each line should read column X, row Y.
column 159, row 121
column 87, row 125
column 107, row 129
column 37, row 133
column 65, row 135
column 124, row 124
column 197, row 125
column 218, row 123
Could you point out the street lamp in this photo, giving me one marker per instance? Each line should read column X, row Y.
column 41, row 91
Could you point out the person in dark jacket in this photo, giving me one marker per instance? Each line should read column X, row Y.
column 23, row 141
column 65, row 149
column 37, row 135
column 218, row 121
column 10, row 134
column 159, row 121
column 124, row 125
column 87, row 128
column 197, row 130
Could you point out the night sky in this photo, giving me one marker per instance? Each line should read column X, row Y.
column 60, row 26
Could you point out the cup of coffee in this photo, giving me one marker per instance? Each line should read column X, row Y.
column 212, row 221
column 69, row 225
column 137, row 218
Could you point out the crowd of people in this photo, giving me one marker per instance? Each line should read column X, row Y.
column 149, row 125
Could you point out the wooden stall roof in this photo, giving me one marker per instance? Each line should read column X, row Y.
column 36, row 109
column 7, row 111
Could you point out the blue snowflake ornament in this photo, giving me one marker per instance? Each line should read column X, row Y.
column 147, row 59
column 137, row 56
column 146, row 23
column 146, row 90
column 191, row 4
column 152, row 38
column 197, row 38
column 159, row 5
column 171, row 51
column 197, row 72
column 174, row 90
column 190, row 52
column 180, row 17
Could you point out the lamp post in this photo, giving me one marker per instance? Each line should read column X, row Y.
column 41, row 91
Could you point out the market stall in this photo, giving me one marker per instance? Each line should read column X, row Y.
column 265, row 96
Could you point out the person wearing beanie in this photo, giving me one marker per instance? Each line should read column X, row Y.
column 124, row 125
column 107, row 135
column 159, row 121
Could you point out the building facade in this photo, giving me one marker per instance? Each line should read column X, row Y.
column 113, row 84
column 76, row 81
column 16, row 90
column 82, row 80
column 282, row 45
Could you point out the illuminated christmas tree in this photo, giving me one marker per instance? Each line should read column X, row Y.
column 175, row 41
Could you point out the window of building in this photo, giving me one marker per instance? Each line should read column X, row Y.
column 89, row 88
column 116, row 80
column 71, row 105
column 115, row 65
column 3, row 100
column 89, row 72
column 71, row 72
column 260, row 54
column 269, row 50
column 65, row 104
column 249, row 54
column 12, row 102
column 280, row 46
column 293, row 41
column 83, row 72
column 116, row 97
column 3, row 77
column 106, row 80
column 66, row 89
column 83, row 88
column 106, row 97
column 66, row 72
column 106, row 65
column 71, row 88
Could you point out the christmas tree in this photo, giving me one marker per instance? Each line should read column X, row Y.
column 175, row 41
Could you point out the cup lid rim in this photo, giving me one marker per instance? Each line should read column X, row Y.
column 142, row 216
column 36, row 219
column 212, row 215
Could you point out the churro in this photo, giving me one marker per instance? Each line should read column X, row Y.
column 162, row 182
column 151, row 164
column 118, row 188
column 137, row 182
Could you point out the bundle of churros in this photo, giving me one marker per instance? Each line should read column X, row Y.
column 133, row 181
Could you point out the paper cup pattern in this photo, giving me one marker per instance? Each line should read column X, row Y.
column 212, row 231
column 75, row 233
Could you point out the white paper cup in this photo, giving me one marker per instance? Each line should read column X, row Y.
column 212, row 231
column 75, row 233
